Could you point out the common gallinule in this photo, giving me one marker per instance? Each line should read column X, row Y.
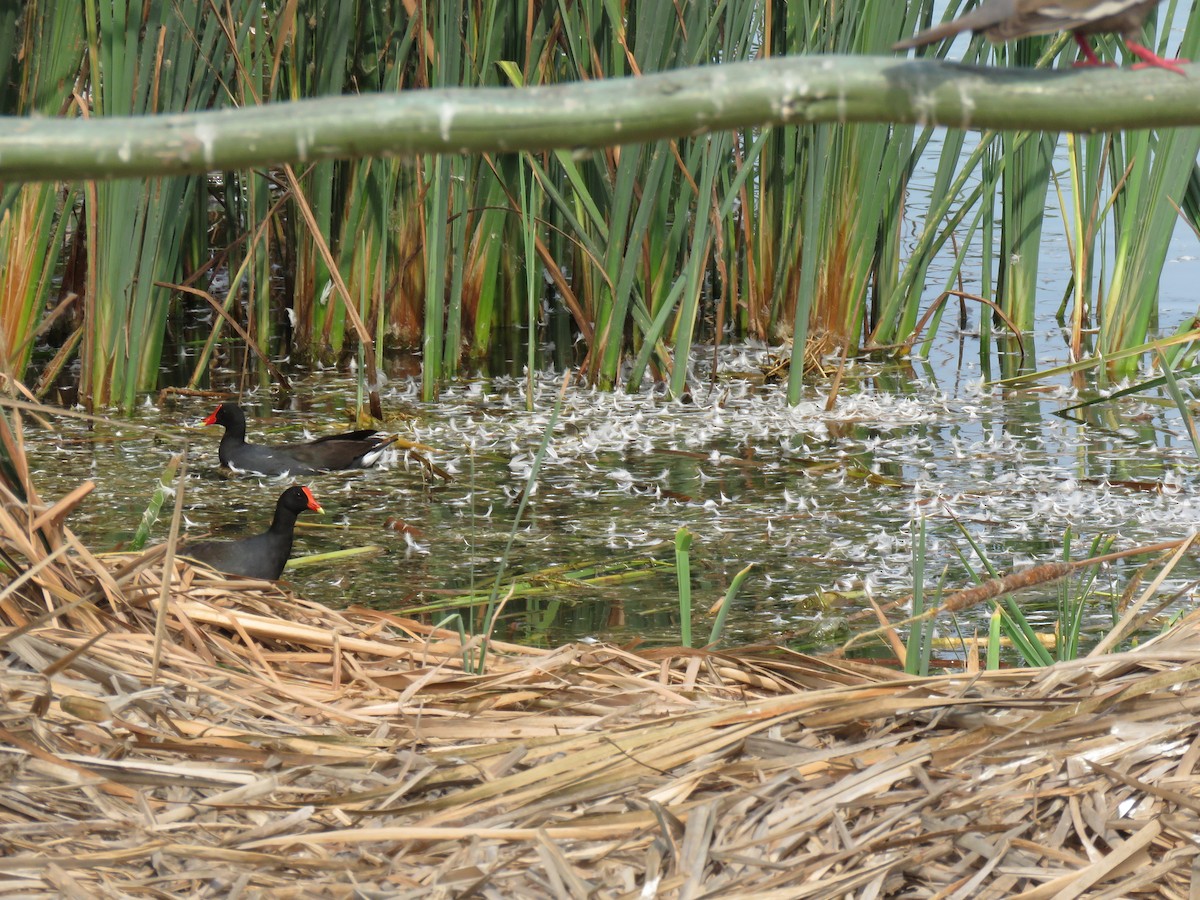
column 264, row 555
column 1006, row 20
column 351, row 450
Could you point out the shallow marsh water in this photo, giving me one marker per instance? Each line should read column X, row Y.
column 821, row 502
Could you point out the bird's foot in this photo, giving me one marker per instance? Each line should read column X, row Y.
column 1151, row 60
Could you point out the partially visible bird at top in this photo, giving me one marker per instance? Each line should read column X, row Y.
column 1006, row 20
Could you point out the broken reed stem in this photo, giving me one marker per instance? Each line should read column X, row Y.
column 1017, row 581
column 1131, row 615
column 975, row 595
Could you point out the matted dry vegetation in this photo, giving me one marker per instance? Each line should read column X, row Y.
column 261, row 743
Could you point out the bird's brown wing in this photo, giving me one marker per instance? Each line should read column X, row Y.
column 986, row 18
column 1006, row 20
column 1032, row 17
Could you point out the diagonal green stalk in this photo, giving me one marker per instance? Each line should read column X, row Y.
column 530, row 484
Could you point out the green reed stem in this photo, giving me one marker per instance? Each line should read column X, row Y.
column 683, row 578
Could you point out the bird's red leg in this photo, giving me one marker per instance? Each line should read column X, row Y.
column 1089, row 58
column 1151, row 60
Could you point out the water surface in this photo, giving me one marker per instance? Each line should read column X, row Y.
column 822, row 502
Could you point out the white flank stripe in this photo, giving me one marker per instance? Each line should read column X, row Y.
column 1098, row 11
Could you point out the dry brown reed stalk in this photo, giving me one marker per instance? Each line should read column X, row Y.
column 366, row 339
column 287, row 749
column 1034, row 576
column 972, row 596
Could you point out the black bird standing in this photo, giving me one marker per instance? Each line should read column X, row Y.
column 1006, row 20
column 263, row 555
column 351, row 450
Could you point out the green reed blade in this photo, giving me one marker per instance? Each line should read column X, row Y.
column 718, row 628
column 162, row 490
